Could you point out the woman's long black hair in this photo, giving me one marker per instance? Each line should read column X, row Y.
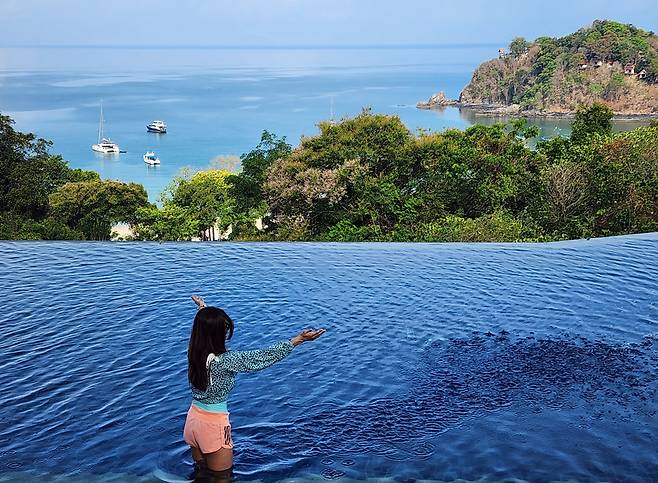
column 212, row 328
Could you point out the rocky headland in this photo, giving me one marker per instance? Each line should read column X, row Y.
column 609, row 62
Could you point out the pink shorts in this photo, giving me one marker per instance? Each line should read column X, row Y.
column 209, row 432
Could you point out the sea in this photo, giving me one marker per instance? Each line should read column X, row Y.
column 217, row 101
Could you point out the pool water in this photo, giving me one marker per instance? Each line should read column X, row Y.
column 532, row 362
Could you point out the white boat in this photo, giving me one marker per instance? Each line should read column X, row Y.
column 104, row 145
column 151, row 159
column 157, row 126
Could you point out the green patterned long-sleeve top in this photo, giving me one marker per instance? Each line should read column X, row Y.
column 223, row 368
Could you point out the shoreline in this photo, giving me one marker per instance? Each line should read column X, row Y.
column 501, row 110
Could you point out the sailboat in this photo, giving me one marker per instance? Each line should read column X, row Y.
column 104, row 145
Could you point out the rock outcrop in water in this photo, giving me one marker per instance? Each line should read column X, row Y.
column 437, row 101
column 609, row 62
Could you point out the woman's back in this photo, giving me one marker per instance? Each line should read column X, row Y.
column 222, row 369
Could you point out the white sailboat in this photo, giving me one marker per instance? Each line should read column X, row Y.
column 104, row 145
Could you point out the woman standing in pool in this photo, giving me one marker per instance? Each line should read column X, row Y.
column 211, row 372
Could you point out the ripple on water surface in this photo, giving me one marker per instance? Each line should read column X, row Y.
column 448, row 361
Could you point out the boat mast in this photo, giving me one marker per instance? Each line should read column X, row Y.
column 100, row 125
column 331, row 111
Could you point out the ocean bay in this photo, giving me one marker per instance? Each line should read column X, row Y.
column 217, row 101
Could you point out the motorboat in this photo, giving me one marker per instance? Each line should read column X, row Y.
column 104, row 145
column 157, row 127
column 151, row 159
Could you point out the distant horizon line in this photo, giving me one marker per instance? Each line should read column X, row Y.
column 463, row 45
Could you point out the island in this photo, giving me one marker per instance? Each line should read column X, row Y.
column 611, row 63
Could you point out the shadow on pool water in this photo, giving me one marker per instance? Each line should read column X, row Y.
column 574, row 382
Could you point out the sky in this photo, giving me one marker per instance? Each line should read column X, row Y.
column 303, row 22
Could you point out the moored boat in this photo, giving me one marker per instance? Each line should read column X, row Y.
column 157, row 127
column 151, row 159
column 104, row 145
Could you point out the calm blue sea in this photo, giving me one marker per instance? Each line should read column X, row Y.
column 487, row 362
column 217, row 102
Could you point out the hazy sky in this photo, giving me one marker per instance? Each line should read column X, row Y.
column 304, row 22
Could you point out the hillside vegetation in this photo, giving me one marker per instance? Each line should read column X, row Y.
column 609, row 62
column 366, row 178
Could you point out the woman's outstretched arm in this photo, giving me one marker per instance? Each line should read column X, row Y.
column 256, row 360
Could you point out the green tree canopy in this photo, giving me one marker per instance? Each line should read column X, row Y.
column 28, row 174
column 595, row 119
column 92, row 207
column 170, row 223
column 247, row 185
column 207, row 195
column 365, row 178
column 369, row 172
column 519, row 46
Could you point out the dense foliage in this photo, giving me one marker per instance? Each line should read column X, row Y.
column 605, row 41
column 42, row 198
column 607, row 62
column 365, row 178
column 370, row 178
column 93, row 207
column 196, row 205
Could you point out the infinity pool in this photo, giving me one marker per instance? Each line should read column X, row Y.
column 533, row 362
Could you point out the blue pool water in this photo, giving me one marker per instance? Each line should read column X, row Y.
column 442, row 361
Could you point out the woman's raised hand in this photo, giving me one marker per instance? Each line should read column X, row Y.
column 198, row 300
column 307, row 335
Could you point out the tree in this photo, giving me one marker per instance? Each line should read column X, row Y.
column 596, row 118
column 206, row 194
column 92, row 207
column 623, row 182
column 351, row 169
column 395, row 182
column 519, row 46
column 479, row 171
column 247, row 186
column 303, row 200
column 18, row 228
column 566, row 187
column 28, row 174
column 652, row 69
column 171, row 223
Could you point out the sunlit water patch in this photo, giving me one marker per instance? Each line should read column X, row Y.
column 441, row 361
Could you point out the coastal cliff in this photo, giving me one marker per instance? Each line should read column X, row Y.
column 609, row 62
